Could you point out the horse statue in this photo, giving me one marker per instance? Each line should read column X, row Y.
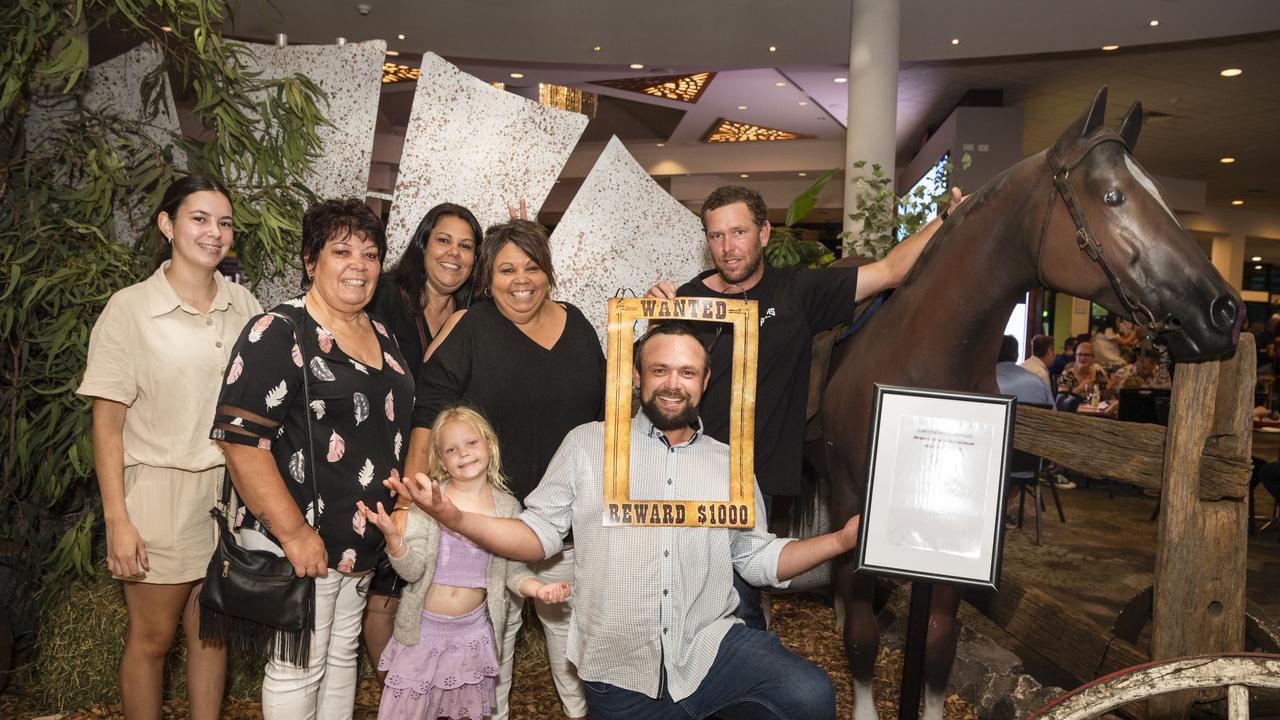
column 1082, row 218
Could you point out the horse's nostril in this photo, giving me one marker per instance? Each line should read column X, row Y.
column 1223, row 312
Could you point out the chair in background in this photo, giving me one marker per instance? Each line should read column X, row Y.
column 1148, row 405
column 1026, row 470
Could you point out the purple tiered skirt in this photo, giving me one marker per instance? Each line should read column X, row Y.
column 451, row 672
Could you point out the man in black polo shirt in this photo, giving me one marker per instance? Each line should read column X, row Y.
column 794, row 306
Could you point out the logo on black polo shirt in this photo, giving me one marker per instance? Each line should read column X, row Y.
column 766, row 315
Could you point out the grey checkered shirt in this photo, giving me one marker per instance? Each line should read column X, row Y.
column 646, row 597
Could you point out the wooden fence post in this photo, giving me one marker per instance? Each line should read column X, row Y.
column 1201, row 544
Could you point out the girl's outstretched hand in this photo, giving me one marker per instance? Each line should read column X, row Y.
column 383, row 521
column 554, row 592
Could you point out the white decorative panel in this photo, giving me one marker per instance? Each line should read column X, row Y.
column 351, row 75
column 623, row 232
column 472, row 144
column 115, row 87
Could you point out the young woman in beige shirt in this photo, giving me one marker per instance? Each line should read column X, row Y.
column 156, row 360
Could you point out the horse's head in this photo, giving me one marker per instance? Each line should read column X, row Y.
column 1110, row 236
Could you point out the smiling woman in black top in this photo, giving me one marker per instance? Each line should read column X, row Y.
column 534, row 367
column 360, row 398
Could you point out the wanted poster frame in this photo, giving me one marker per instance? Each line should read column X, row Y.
column 937, row 469
column 619, row 508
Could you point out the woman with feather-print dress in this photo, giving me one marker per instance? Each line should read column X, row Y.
column 358, row 400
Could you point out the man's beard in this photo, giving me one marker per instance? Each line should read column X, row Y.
column 669, row 421
column 745, row 272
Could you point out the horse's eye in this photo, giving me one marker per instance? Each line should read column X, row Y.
column 1113, row 198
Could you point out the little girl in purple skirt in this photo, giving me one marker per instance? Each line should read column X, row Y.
column 442, row 660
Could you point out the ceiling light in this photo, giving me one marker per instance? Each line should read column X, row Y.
column 1257, row 267
column 1109, row 48
column 744, row 175
column 662, row 144
column 1154, row 23
column 393, row 53
column 802, row 103
column 773, row 48
column 802, row 174
column 1231, row 72
column 1226, row 160
column 400, row 36
column 596, row 48
column 166, row 28
column 1256, row 258
column 841, row 79
column 517, row 76
column 742, row 107
column 1237, row 202
column 637, row 66
column 955, row 41
column 779, row 84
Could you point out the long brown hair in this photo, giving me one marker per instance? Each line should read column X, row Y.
column 169, row 204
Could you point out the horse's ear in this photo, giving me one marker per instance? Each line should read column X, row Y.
column 1131, row 126
column 1089, row 121
column 1096, row 114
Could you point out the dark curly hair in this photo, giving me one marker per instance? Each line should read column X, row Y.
column 331, row 219
column 730, row 194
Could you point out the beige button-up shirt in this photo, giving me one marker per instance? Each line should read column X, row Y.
column 164, row 360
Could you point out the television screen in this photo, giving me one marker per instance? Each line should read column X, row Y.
column 921, row 195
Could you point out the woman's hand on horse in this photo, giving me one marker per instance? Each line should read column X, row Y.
column 126, row 553
column 957, row 199
column 848, row 535
column 662, row 289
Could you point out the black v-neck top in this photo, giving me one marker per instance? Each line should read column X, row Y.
column 531, row 395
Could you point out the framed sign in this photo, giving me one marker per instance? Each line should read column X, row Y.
column 738, row 511
column 934, row 505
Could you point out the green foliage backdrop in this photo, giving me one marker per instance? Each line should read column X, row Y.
column 59, row 257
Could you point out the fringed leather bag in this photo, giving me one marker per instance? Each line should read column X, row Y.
column 252, row 599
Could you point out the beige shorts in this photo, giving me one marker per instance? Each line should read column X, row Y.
column 170, row 509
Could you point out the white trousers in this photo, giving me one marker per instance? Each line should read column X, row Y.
column 555, row 625
column 326, row 688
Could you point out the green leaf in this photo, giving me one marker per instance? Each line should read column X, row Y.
column 804, row 203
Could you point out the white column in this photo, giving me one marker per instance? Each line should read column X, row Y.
column 873, row 91
column 1228, row 258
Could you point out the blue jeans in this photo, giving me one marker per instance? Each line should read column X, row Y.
column 753, row 678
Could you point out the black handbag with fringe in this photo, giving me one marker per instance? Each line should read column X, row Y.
column 252, row 599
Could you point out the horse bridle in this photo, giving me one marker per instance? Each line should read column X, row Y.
column 1085, row 240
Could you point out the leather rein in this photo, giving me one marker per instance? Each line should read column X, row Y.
column 1085, row 239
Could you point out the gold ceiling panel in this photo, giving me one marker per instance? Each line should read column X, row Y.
column 684, row 88
column 724, row 130
column 395, row 72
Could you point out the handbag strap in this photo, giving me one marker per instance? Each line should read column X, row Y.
column 225, row 500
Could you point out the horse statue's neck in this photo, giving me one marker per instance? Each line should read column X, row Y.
column 974, row 271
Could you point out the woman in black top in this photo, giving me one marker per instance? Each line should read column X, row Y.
column 431, row 281
column 535, row 369
column 335, row 449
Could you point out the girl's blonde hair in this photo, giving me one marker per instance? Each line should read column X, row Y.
column 462, row 413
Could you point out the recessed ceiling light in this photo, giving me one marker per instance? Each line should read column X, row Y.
column 841, row 79
column 596, row 48
column 1226, row 160
column 166, row 28
column 1231, row 72
column 742, row 107
column 1237, row 202
column 1257, row 267
column 955, row 41
column 802, row 103
column 662, row 144
column 773, row 48
column 744, row 175
column 802, row 174
column 779, row 84
column 1154, row 23
column 1256, row 258
column 517, row 76
column 393, row 53
column 1109, row 48
column 637, row 66
column 400, row 36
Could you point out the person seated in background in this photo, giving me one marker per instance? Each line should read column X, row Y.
column 1018, row 381
column 1106, row 345
column 1084, row 378
column 1063, row 359
column 1146, row 371
column 1041, row 356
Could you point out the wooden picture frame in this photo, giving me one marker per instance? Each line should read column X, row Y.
column 738, row 511
column 937, row 470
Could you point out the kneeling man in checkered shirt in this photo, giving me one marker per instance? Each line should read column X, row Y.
column 653, row 634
